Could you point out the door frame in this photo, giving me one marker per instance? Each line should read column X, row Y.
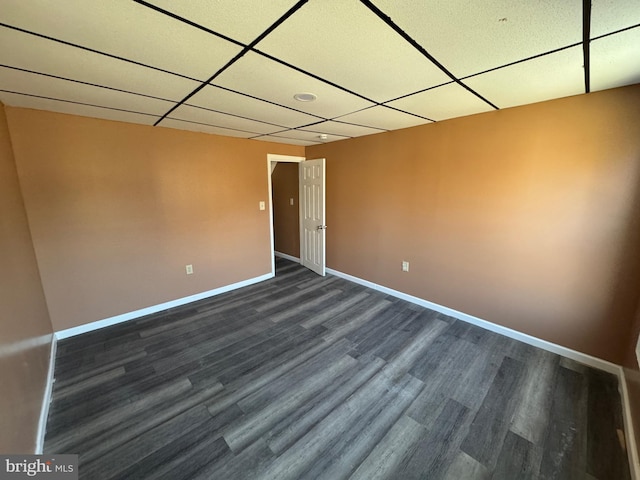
column 275, row 158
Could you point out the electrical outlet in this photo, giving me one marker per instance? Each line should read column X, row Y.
column 262, row 206
column 189, row 269
column 405, row 266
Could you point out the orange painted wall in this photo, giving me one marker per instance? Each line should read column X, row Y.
column 526, row 217
column 25, row 329
column 286, row 217
column 117, row 210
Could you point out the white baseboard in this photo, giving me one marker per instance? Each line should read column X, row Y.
column 88, row 327
column 287, row 256
column 632, row 446
column 46, row 399
column 507, row 332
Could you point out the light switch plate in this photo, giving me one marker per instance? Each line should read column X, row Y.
column 262, row 206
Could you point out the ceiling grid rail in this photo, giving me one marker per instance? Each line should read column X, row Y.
column 242, row 53
column 586, row 41
column 252, row 48
column 386, row 19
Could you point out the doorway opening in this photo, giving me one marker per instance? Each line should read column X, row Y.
column 297, row 210
column 272, row 162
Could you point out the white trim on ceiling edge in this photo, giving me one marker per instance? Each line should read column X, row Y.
column 46, row 398
column 589, row 360
column 88, row 327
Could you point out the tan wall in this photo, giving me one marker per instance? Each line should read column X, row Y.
column 25, row 329
column 117, row 210
column 286, row 217
column 523, row 217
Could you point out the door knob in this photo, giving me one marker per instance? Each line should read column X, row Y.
column 322, row 227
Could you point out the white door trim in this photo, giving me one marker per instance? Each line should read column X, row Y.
column 274, row 158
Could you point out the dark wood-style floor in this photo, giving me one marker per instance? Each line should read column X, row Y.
column 309, row 377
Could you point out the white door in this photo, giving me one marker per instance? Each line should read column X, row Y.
column 312, row 227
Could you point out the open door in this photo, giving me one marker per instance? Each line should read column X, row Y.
column 312, row 226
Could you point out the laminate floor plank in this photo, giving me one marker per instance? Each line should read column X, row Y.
column 465, row 467
column 84, row 404
column 297, row 459
column 604, row 415
column 565, row 448
column 518, row 458
column 248, row 464
column 303, row 376
column 292, row 428
column 183, row 454
column 467, row 331
column 207, row 352
column 266, row 352
column 184, row 464
column 334, row 310
column 393, row 449
column 291, row 379
column 72, row 376
column 343, row 456
column 89, row 382
column 119, row 413
column 493, row 419
column 93, row 445
column 531, row 416
column 121, row 459
column 476, row 381
column 250, row 427
column 438, row 446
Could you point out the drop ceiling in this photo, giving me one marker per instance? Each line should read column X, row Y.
column 232, row 67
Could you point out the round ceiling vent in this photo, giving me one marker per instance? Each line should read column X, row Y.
column 305, row 97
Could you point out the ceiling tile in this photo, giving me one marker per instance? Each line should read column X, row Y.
column 338, row 128
column 216, row 119
column 444, row 102
column 290, row 141
column 216, row 98
column 126, row 29
column 33, row 53
column 615, row 60
column 470, row 37
column 344, row 42
column 25, row 101
column 197, row 127
column 552, row 76
column 43, row 86
column 611, row 15
column 242, row 20
column 255, row 75
column 383, row 117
